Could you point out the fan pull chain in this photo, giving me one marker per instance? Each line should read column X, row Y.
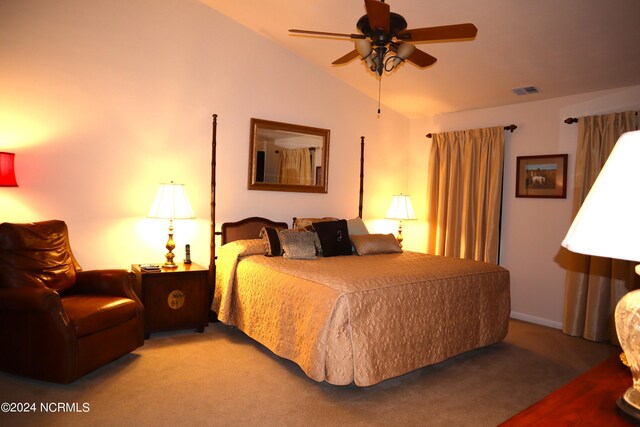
column 379, row 92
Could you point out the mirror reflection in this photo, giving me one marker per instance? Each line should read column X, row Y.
column 287, row 157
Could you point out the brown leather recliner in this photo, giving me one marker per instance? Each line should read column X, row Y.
column 58, row 322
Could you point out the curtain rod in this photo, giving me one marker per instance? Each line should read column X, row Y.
column 572, row 120
column 509, row 128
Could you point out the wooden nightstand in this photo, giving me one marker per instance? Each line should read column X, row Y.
column 176, row 298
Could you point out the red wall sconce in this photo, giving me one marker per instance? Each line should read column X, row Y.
column 7, row 170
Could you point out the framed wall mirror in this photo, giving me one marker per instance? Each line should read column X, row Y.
column 286, row 157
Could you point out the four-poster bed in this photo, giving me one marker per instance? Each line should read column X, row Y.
column 355, row 319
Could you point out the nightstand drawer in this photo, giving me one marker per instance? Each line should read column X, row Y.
column 173, row 299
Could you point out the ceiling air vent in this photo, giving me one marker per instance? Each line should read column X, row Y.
column 526, row 90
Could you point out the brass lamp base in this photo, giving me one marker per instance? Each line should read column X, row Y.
column 169, row 264
column 171, row 245
column 400, row 238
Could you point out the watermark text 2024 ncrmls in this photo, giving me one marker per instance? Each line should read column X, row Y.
column 64, row 407
column 26, row 407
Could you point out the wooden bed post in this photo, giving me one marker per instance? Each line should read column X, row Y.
column 212, row 248
column 361, row 176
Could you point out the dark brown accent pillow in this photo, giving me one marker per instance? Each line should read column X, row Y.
column 372, row 244
column 36, row 254
column 271, row 240
column 334, row 237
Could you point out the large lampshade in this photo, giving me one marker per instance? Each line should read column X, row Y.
column 171, row 203
column 608, row 225
column 401, row 208
column 7, row 170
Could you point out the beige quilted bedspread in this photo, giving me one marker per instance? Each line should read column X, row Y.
column 362, row 319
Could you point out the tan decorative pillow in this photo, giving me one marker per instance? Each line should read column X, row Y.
column 302, row 223
column 356, row 226
column 248, row 247
column 297, row 244
column 372, row 244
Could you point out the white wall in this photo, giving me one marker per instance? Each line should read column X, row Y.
column 532, row 229
column 102, row 100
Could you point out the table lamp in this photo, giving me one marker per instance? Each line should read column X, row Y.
column 171, row 202
column 608, row 225
column 400, row 210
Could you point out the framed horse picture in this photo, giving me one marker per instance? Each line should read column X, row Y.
column 542, row 176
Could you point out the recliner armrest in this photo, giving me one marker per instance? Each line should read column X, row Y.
column 40, row 301
column 111, row 282
column 28, row 298
column 105, row 282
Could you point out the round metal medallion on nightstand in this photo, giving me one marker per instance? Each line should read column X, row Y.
column 175, row 299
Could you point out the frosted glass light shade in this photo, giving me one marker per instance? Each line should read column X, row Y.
column 608, row 222
column 363, row 47
column 366, row 52
column 171, row 202
column 404, row 51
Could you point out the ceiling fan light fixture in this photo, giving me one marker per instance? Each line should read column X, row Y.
column 404, row 51
column 366, row 52
column 383, row 39
column 363, row 47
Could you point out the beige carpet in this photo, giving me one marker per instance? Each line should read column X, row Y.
column 221, row 378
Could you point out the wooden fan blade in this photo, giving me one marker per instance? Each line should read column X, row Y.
column 322, row 33
column 444, row 33
column 378, row 14
column 421, row 59
column 346, row 58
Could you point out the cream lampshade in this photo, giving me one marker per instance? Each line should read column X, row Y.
column 608, row 225
column 400, row 210
column 171, row 202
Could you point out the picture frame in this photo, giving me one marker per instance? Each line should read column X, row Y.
column 543, row 176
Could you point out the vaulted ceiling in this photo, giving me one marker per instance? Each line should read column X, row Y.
column 562, row 47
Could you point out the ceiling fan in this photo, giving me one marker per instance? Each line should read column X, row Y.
column 385, row 42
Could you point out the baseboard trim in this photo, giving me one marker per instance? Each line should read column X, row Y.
column 537, row 320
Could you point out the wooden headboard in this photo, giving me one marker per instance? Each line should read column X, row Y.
column 248, row 228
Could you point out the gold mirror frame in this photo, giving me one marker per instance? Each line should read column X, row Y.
column 270, row 139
